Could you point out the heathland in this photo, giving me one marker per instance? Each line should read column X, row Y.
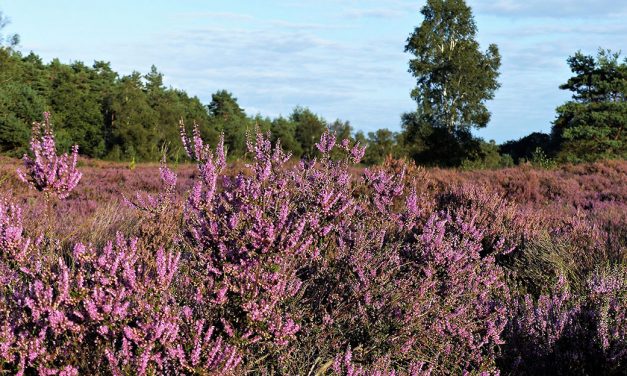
column 297, row 246
column 310, row 267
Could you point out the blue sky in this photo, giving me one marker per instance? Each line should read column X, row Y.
column 341, row 58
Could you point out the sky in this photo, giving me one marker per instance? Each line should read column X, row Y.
column 341, row 58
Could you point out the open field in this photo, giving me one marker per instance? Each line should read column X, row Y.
column 596, row 190
column 329, row 268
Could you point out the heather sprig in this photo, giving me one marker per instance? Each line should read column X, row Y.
column 164, row 200
column 196, row 149
column 47, row 171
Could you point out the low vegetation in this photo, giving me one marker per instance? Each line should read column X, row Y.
column 315, row 267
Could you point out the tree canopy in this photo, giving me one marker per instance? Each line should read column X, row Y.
column 454, row 77
column 132, row 117
column 591, row 125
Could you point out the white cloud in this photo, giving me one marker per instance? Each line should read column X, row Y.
column 374, row 13
column 551, row 8
column 272, row 67
column 212, row 16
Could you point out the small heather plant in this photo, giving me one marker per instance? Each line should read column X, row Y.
column 164, row 200
column 47, row 171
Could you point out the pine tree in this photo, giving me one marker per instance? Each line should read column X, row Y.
column 592, row 125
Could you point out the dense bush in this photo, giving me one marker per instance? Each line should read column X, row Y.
column 321, row 268
column 95, row 310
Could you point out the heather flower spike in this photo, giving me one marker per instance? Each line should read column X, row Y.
column 327, row 142
column 196, row 149
column 47, row 171
column 164, row 199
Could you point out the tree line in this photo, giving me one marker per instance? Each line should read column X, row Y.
column 135, row 117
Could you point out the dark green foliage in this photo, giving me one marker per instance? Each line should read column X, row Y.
column 361, row 138
column 342, row 129
column 285, row 130
column 382, row 143
column 524, row 148
column 20, row 100
column 431, row 145
column 132, row 117
column 228, row 117
column 309, row 127
column 133, row 125
column 591, row 125
column 20, row 105
column 487, row 156
column 75, row 107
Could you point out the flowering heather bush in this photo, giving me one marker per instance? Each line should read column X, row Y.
column 49, row 172
column 106, row 311
column 563, row 333
column 300, row 263
column 319, row 267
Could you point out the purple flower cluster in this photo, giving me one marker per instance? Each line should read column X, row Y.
column 107, row 309
column 12, row 240
column 569, row 333
column 47, row 171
